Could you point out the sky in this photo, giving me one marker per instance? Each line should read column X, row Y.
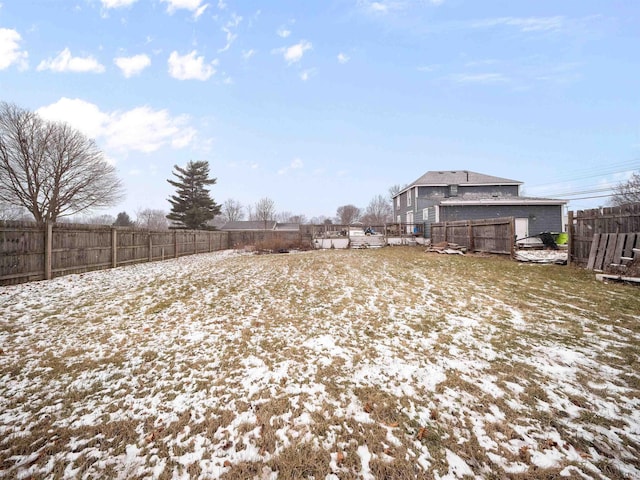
column 318, row 104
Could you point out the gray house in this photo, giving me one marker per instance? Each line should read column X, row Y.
column 441, row 196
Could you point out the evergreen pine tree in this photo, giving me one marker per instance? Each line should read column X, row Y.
column 123, row 220
column 192, row 206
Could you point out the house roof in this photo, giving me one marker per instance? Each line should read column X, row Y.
column 249, row 225
column 457, row 177
column 288, row 226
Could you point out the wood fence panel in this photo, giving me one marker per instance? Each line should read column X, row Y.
column 613, row 251
column 585, row 224
column 75, row 249
column 22, row 249
column 80, row 248
column 495, row 235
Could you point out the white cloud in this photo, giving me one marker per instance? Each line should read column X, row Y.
column 381, row 7
column 140, row 129
column 283, row 32
column 65, row 62
column 483, row 78
column 10, row 52
column 194, row 6
column 117, row 3
column 428, row 68
column 295, row 164
column 132, row 66
column 343, row 58
column 294, row 53
column 222, row 5
column 190, row 67
column 233, row 23
column 307, row 74
column 247, row 54
column 529, row 24
column 82, row 115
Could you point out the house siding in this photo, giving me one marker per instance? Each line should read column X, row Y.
column 542, row 218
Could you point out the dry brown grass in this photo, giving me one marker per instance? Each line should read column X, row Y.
column 475, row 356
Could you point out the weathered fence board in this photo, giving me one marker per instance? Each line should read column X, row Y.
column 584, row 224
column 612, row 250
column 495, row 235
column 35, row 252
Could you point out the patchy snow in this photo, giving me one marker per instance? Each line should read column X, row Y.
column 195, row 367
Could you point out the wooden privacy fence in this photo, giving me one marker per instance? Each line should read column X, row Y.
column 613, row 250
column 584, row 224
column 495, row 235
column 38, row 252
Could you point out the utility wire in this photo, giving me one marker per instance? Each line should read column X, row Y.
column 611, row 169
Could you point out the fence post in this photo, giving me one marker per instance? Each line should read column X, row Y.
column 150, row 247
column 472, row 243
column 175, row 244
column 114, row 247
column 48, row 245
column 445, row 232
column 570, row 239
column 512, row 236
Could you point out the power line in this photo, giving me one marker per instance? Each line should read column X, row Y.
column 611, row 169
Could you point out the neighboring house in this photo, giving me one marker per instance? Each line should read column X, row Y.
column 441, row 196
column 256, row 225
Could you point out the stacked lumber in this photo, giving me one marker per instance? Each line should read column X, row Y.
column 447, row 248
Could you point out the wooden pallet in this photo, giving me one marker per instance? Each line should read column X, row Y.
column 613, row 250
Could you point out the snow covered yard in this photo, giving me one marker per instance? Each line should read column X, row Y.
column 356, row 364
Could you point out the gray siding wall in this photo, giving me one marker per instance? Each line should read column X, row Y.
column 542, row 218
column 469, row 192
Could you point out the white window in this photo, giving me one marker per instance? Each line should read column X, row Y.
column 398, row 201
column 409, row 198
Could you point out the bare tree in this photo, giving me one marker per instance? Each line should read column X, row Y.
column 250, row 213
column 232, row 210
column 51, row 169
column 265, row 210
column 105, row 219
column 301, row 218
column 394, row 190
column 378, row 211
column 627, row 192
column 288, row 217
column 12, row 212
column 347, row 214
column 321, row 220
column 283, row 216
column 152, row 219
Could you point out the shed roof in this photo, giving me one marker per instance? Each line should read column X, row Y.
column 287, row 226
